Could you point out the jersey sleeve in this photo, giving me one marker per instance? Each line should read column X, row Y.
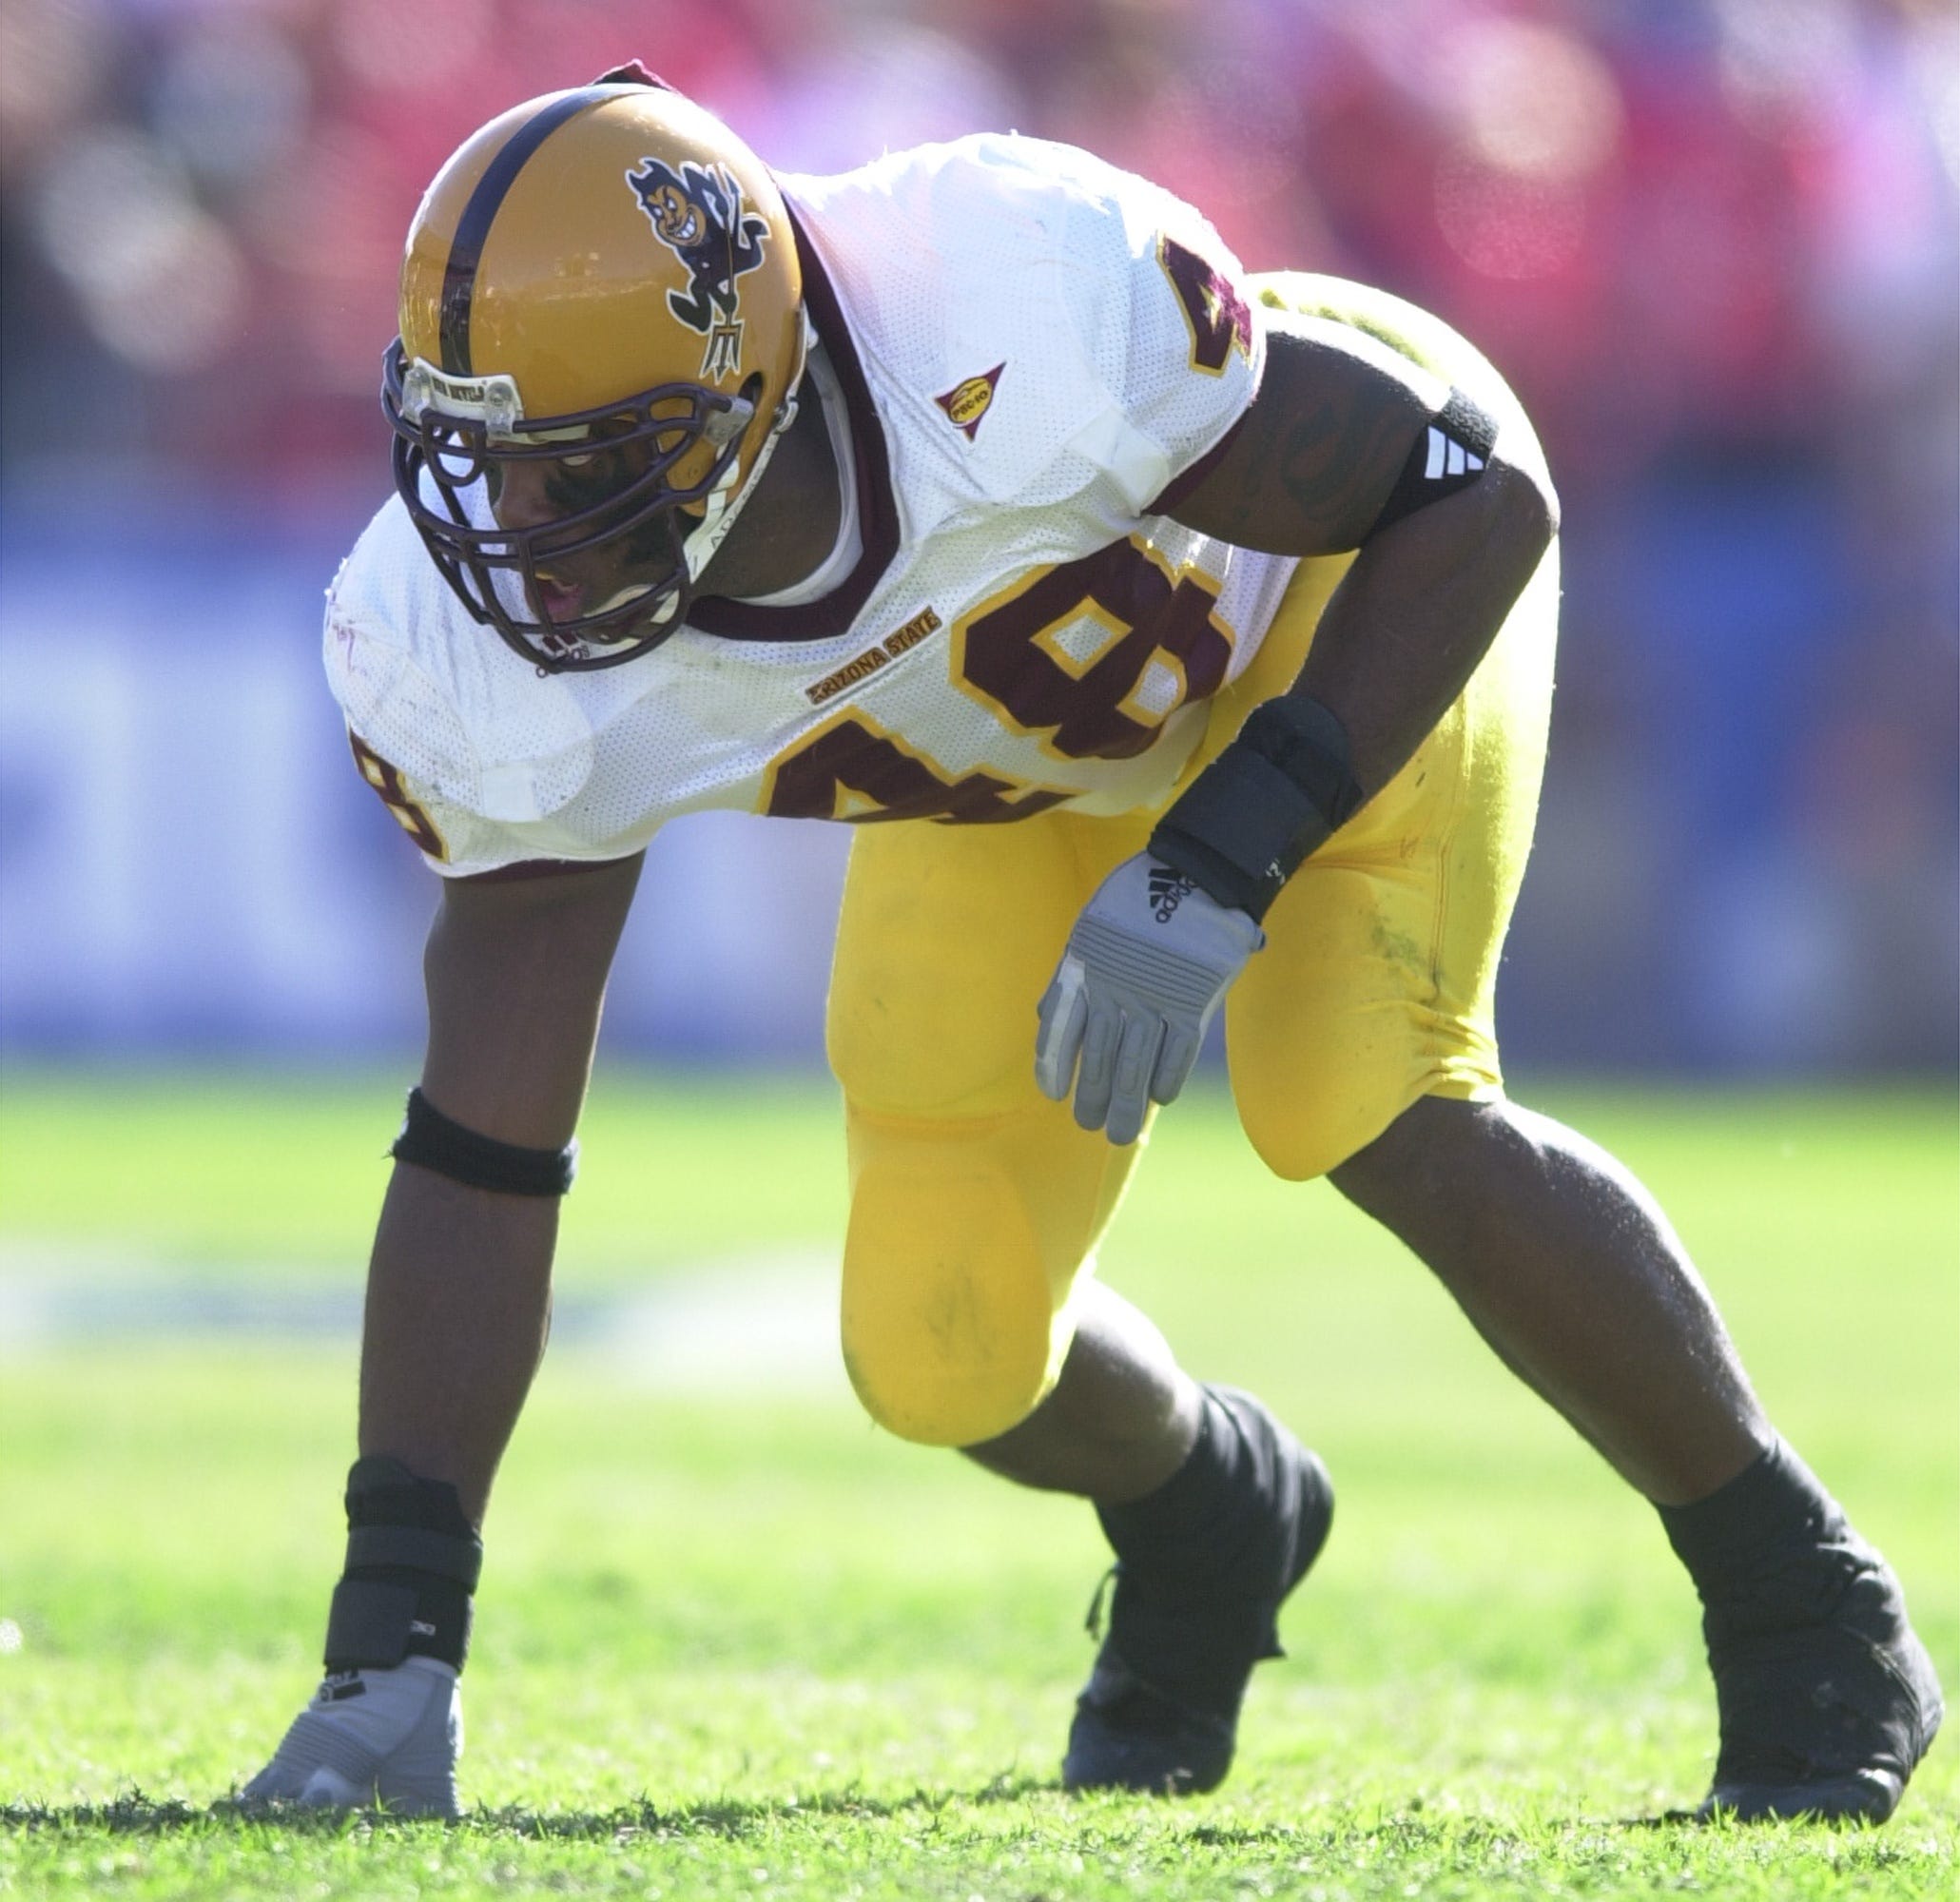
column 1164, row 318
column 456, row 842
column 417, row 693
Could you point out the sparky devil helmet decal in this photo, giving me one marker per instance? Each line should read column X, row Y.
column 581, row 407
column 697, row 213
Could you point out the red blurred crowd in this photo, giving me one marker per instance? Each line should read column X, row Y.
column 1664, row 218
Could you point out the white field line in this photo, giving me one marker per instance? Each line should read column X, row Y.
column 754, row 1322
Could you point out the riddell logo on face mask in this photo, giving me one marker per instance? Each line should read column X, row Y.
column 1168, row 890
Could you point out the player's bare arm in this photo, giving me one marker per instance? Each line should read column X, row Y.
column 459, row 1304
column 458, row 1289
column 1345, row 447
column 1311, row 470
column 516, row 969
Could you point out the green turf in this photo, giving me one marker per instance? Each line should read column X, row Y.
column 747, row 1646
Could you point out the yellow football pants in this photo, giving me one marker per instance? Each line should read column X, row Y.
column 977, row 1205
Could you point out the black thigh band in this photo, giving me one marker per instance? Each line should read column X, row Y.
column 432, row 1140
column 1245, row 824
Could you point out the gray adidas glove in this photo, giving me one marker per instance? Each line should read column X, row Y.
column 391, row 1736
column 1147, row 964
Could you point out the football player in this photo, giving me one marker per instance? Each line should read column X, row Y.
column 1175, row 638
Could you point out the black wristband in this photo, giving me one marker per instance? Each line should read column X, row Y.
column 1245, row 825
column 432, row 1140
column 413, row 1560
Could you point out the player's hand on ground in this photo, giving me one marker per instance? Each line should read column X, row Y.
column 1147, row 964
column 373, row 1738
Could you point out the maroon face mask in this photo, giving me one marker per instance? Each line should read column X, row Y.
column 562, row 532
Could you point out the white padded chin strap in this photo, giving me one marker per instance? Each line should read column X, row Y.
column 721, row 506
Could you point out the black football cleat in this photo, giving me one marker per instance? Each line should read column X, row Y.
column 1827, row 1697
column 1159, row 1715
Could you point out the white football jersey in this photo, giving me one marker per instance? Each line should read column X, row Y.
column 1029, row 348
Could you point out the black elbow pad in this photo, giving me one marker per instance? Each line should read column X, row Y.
column 1449, row 454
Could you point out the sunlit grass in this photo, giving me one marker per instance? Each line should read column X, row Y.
column 741, row 1644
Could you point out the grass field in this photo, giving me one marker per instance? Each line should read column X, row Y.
column 733, row 1642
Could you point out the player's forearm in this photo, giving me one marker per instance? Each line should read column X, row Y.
column 459, row 1285
column 1416, row 613
column 1413, row 615
column 459, row 1302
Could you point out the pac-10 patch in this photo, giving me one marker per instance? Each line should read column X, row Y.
column 966, row 402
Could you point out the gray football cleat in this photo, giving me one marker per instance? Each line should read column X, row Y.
column 373, row 1739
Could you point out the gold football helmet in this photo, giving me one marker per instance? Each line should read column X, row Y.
column 602, row 334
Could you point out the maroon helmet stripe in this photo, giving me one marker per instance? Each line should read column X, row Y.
column 473, row 229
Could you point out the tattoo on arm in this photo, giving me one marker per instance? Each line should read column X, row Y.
column 1330, row 455
column 1315, row 457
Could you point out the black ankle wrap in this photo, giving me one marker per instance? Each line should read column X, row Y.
column 1203, row 1561
column 1774, row 1509
column 413, row 1560
column 1189, row 1528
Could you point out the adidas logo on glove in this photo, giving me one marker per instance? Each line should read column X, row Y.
column 1168, row 890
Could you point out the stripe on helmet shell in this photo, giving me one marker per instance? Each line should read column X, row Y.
column 473, row 229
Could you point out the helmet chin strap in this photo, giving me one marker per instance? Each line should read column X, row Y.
column 725, row 501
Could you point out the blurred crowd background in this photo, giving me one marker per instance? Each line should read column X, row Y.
column 1713, row 242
